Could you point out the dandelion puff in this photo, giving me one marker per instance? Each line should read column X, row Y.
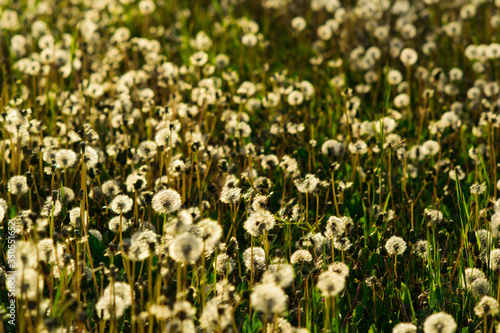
column 2, row 213
column 4, row 205
column 283, row 327
column 487, row 306
column 456, row 173
column 104, row 307
column 408, row 57
column 27, row 286
column 422, row 249
column 18, row 185
column 471, row 275
column 484, row 238
column 395, row 246
column 495, row 224
column 176, row 168
column 47, row 251
column 66, row 158
column 111, row 188
column 122, row 300
column 186, row 248
column 281, row 275
column 210, row 232
column 269, row 299
column 340, row 268
column 332, row 148
column 301, row 256
column 147, row 149
column 230, row 194
column 140, row 245
column 494, row 259
column 342, row 243
column 135, row 182
column 75, row 217
column 259, row 258
column 166, row 201
column 404, row 328
column 308, row 185
column 225, row 263
column 215, row 316
column 114, row 223
column 477, row 188
column 51, row 207
column 68, row 195
column 259, row 222
column 179, row 225
column 121, row 204
column 440, row 322
column 331, row 283
column 161, row 312
column 90, row 157
column 184, row 311
column 335, row 227
column 480, row 287
column 259, row 202
column 96, row 233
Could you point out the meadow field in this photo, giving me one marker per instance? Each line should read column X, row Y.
column 275, row 166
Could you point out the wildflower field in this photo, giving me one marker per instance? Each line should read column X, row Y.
column 249, row 166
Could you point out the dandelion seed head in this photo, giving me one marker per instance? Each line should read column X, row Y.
column 135, row 182
column 65, row 158
column 342, row 243
column 96, row 233
column 422, row 249
column 17, row 185
column 308, row 185
column 140, row 245
column 332, row 148
column 395, row 246
column 27, row 286
column 166, row 201
column 331, row 283
column 340, row 268
column 147, row 149
column 404, row 328
column 477, row 189
column 121, row 204
column 259, row 222
column 186, row 248
column 210, row 232
column 230, row 195
column 269, row 299
column 335, row 227
column 259, row 258
column 279, row 274
column 487, row 306
column 480, row 287
column 225, row 263
column 114, row 223
column 215, row 316
column 440, row 322
column 301, row 256
column 91, row 158
column 111, row 188
column 51, row 208
column 283, row 326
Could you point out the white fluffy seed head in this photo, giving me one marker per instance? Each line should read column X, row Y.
column 166, row 201
column 331, row 283
column 440, row 322
column 395, row 246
